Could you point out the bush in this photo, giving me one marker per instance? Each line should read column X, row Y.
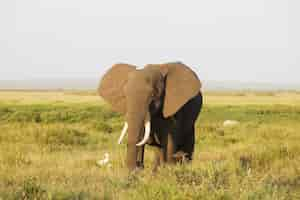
column 31, row 189
column 66, row 136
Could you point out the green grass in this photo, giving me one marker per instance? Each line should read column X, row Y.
column 50, row 142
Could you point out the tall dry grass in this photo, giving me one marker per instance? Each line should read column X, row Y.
column 50, row 142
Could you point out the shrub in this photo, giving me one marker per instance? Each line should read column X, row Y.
column 31, row 189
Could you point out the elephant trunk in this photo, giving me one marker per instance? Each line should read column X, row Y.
column 134, row 130
column 137, row 137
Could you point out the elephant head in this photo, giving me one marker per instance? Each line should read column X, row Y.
column 138, row 93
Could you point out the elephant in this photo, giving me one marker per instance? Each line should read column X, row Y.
column 161, row 103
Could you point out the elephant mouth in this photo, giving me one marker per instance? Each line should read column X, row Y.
column 146, row 135
column 155, row 107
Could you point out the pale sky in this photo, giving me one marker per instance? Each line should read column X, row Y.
column 245, row 40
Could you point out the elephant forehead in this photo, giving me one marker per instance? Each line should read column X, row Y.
column 144, row 78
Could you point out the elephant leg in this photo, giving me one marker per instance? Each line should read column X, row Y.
column 190, row 112
column 178, row 136
column 170, row 149
column 167, row 149
column 158, row 159
column 140, row 152
column 184, row 139
column 140, row 156
column 189, row 143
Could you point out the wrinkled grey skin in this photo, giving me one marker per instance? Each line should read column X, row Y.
column 166, row 94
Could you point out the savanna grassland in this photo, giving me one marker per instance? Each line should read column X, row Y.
column 50, row 142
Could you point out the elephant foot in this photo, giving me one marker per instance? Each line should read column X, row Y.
column 155, row 167
column 140, row 165
column 135, row 171
column 181, row 157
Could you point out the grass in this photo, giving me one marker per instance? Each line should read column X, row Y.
column 50, row 142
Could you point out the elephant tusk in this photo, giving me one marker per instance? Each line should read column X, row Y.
column 147, row 134
column 123, row 133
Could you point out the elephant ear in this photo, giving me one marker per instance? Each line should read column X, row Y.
column 181, row 85
column 112, row 84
